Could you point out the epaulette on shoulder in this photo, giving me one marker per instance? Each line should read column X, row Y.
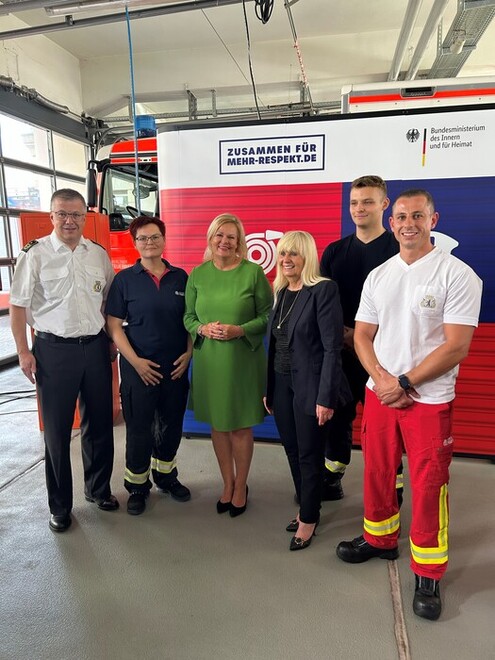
column 98, row 244
column 29, row 245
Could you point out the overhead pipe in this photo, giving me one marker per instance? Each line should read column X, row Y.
column 429, row 29
column 32, row 95
column 404, row 37
column 70, row 22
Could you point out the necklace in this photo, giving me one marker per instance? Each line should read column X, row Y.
column 280, row 318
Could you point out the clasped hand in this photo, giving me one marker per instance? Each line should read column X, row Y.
column 221, row 331
column 390, row 393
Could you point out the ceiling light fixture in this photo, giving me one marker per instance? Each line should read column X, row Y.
column 85, row 6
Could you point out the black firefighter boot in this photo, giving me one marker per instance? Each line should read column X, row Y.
column 427, row 603
column 331, row 487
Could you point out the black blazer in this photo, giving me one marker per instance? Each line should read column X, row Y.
column 315, row 333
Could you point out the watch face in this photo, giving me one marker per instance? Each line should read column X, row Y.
column 404, row 382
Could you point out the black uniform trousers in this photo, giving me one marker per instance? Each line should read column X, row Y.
column 64, row 372
column 154, row 416
column 338, row 443
column 338, row 440
column 304, row 444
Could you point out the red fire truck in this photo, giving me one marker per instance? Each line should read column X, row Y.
column 114, row 191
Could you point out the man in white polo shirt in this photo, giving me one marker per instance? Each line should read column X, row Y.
column 414, row 325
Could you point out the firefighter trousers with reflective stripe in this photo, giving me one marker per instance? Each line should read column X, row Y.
column 425, row 431
column 153, row 415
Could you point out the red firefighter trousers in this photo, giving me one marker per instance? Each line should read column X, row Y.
column 425, row 432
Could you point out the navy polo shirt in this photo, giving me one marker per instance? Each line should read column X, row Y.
column 154, row 315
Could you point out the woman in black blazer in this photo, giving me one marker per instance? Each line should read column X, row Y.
column 305, row 379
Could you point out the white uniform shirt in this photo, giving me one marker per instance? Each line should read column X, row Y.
column 410, row 304
column 63, row 291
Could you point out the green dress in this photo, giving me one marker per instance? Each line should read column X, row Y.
column 228, row 377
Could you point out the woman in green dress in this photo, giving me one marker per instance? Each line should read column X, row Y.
column 228, row 299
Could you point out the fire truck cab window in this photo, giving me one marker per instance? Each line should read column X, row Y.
column 121, row 195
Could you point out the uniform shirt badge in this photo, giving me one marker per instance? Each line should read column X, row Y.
column 429, row 302
column 97, row 286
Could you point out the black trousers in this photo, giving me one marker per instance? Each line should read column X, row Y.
column 304, row 444
column 65, row 372
column 338, row 440
column 154, row 416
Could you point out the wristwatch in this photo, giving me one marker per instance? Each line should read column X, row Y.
column 404, row 382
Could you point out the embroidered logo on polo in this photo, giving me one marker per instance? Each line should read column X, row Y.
column 179, row 293
column 428, row 302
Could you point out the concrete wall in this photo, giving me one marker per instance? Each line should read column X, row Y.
column 39, row 63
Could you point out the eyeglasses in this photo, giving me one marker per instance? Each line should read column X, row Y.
column 143, row 240
column 63, row 215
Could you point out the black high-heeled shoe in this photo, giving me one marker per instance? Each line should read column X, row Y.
column 237, row 510
column 297, row 543
column 223, row 507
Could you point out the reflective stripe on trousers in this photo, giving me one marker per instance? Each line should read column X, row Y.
column 424, row 431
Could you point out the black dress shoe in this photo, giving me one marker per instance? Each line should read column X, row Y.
column 237, row 510
column 427, row 602
column 178, row 491
column 136, row 504
column 359, row 550
column 297, row 543
column 223, row 507
column 111, row 503
column 60, row 523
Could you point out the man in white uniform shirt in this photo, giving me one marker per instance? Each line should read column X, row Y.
column 59, row 289
column 414, row 325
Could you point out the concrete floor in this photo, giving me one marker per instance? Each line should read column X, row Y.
column 183, row 583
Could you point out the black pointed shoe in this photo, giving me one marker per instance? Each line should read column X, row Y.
column 237, row 510
column 359, row 550
column 427, row 602
column 60, row 523
column 223, row 507
column 297, row 543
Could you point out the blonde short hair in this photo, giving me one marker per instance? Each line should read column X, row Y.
column 220, row 220
column 303, row 244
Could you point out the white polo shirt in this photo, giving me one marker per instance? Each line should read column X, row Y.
column 63, row 291
column 410, row 304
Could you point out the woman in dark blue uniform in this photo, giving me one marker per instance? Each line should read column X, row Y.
column 155, row 351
